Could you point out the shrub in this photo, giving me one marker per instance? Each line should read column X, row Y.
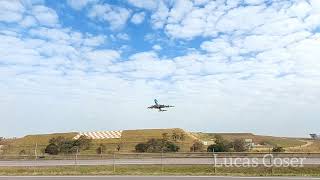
column 156, row 146
column 196, row 147
column 52, row 149
column 141, row 147
column 278, row 149
column 239, row 145
column 66, row 146
column 100, row 149
column 221, row 145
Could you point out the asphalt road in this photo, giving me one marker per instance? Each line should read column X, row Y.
column 155, row 161
column 151, row 178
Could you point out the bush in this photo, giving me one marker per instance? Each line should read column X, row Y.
column 221, row 145
column 156, row 146
column 196, row 147
column 141, row 147
column 239, row 145
column 100, row 149
column 82, row 143
column 66, row 146
column 171, row 147
column 52, row 149
column 278, row 149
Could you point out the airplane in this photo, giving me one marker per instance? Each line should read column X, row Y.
column 159, row 106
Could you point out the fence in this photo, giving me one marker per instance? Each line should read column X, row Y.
column 215, row 159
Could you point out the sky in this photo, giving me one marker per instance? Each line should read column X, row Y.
column 94, row 65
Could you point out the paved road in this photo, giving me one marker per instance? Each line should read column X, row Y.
column 155, row 161
column 152, row 178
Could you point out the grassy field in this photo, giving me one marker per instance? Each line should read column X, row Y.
column 130, row 138
column 127, row 143
column 269, row 141
column 196, row 170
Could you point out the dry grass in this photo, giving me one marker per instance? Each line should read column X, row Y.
column 195, row 170
column 127, row 142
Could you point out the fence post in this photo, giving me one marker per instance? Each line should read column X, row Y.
column 76, row 159
column 114, row 162
column 214, row 162
column 35, row 158
column 271, row 162
column 162, row 167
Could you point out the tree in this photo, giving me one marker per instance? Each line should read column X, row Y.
column 67, row 146
column 83, row 143
column 100, row 149
column 141, row 147
column 239, row 145
column 196, row 147
column 278, row 149
column 156, row 146
column 221, row 145
column 52, row 149
column 170, row 147
column 59, row 141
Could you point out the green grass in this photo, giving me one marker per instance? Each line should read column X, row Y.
column 195, row 170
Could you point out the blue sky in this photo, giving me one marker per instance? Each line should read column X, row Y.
column 227, row 65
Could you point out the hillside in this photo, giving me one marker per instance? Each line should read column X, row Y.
column 263, row 142
column 127, row 142
column 130, row 138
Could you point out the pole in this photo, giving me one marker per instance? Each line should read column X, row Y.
column 35, row 157
column 114, row 162
column 214, row 162
column 35, row 152
column 271, row 162
column 76, row 159
column 162, row 167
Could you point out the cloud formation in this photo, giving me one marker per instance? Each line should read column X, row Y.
column 244, row 65
column 114, row 15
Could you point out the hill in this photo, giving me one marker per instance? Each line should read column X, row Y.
column 130, row 138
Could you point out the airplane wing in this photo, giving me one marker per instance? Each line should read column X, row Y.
column 152, row 107
column 167, row 106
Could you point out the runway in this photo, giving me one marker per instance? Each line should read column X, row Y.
column 158, row 161
column 150, row 178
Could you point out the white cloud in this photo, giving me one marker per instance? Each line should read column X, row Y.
column 28, row 21
column 102, row 57
column 11, row 11
column 159, row 17
column 123, row 36
column 79, row 4
column 156, row 47
column 190, row 19
column 220, row 46
column 258, row 62
column 45, row 16
column 138, row 18
column 116, row 16
column 254, row 2
column 150, row 4
column 66, row 36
